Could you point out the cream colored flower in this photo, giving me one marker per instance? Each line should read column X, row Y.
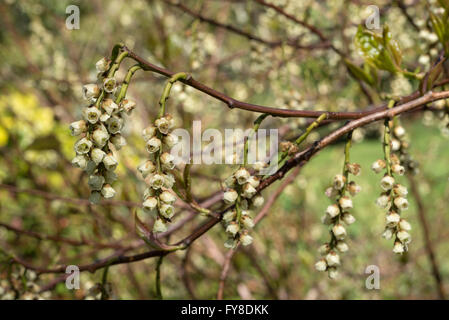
column 332, row 259
column 167, row 210
column 233, row 228
column 333, row 210
column 230, row 196
column 159, row 226
column 110, row 163
column 78, row 127
column 97, row 155
column 146, row 168
column 321, row 265
column 401, row 203
column 83, row 146
column 378, row 166
column 107, row 191
column 242, row 175
column 167, row 197
column 345, row 203
column 91, row 91
column 100, row 137
column 339, row 231
column 153, row 145
column 387, row 183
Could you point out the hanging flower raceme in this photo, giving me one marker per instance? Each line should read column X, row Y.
column 394, row 195
column 338, row 216
column 100, row 133
column 158, row 198
column 241, row 191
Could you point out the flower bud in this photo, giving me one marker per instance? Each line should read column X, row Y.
column 167, row 197
column 259, row 166
column 331, row 192
column 109, row 84
column 109, row 106
column 90, row 91
column 254, row 181
column 354, row 188
column 230, row 196
column 348, row 218
column 378, row 166
column 230, row 243
column 102, row 65
column 332, row 259
column 92, row 114
column 399, row 131
column 100, row 137
column 332, row 273
column 162, row 125
column 94, row 197
column 97, row 155
column 392, row 219
column 400, row 190
column 404, row 236
column 167, row 161
column 258, row 201
column 324, row 249
column 326, row 219
column 153, row 145
column 118, row 141
column 96, row 182
column 405, row 225
column 107, row 191
column 159, row 226
column 398, row 169
column 169, row 180
column 167, row 210
column 114, row 125
column 228, row 216
column 394, row 159
column 170, row 140
column 339, row 181
column 383, row 201
column 387, row 183
column 321, row 265
column 242, row 175
column 80, row 161
column 388, row 233
column 342, row 246
column 401, row 203
column 398, row 248
column 104, row 117
column 128, row 106
column 246, row 239
column 78, row 127
column 339, row 231
column 110, row 162
column 146, row 168
column 91, row 167
column 395, row 145
column 156, row 181
column 247, row 222
column 333, row 210
column 353, row 168
column 149, row 132
column 248, row 191
column 232, row 228
column 345, row 203
column 148, row 192
column 83, row 146
column 149, row 204
column 110, row 177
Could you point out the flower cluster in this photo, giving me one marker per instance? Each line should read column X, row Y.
column 100, row 134
column 394, row 195
column 337, row 215
column 241, row 191
column 158, row 199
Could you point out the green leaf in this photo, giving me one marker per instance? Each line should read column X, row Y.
column 381, row 51
column 359, row 73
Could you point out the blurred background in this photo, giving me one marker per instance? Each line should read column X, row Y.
column 252, row 52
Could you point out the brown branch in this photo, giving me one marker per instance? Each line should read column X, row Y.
column 276, row 112
column 271, row 43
